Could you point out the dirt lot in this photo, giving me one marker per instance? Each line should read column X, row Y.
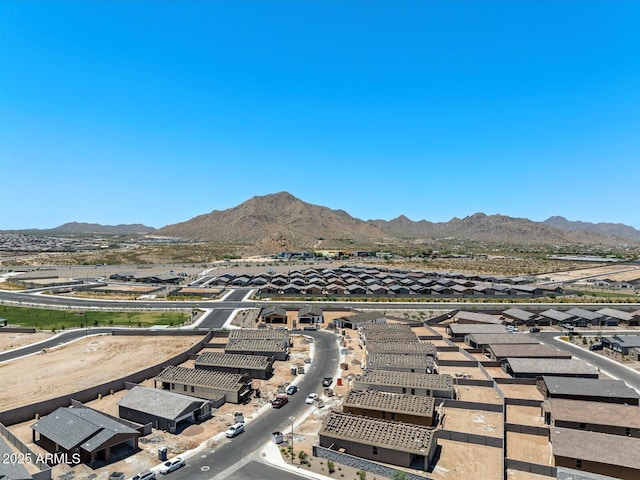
column 191, row 436
column 9, row 341
column 613, row 272
column 452, row 356
column 468, row 372
column 520, row 475
column 497, row 372
column 477, row 394
column 524, row 415
column 528, row 448
column 529, row 392
column 477, row 422
column 84, row 363
column 467, row 461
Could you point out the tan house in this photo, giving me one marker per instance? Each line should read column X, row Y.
column 396, row 443
column 414, row 409
column 234, row 387
column 403, row 382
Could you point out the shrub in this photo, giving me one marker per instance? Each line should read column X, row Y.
column 331, row 466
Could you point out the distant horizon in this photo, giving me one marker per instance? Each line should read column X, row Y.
column 302, row 199
column 432, row 110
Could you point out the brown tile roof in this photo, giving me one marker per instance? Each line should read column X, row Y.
column 596, row 447
column 248, row 345
column 596, row 413
column 422, row 348
column 390, row 402
column 259, row 334
column 391, row 435
column 406, row 379
column 203, row 378
column 400, row 360
column 237, row 360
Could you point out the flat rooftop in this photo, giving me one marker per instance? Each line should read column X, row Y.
column 594, row 387
column 597, row 413
column 528, row 351
column 549, row 366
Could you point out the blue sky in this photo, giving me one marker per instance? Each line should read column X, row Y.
column 157, row 111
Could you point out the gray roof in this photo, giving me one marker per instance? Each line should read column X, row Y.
column 519, row 314
column 205, row 378
column 593, row 387
column 79, row 427
column 626, row 341
column 400, row 436
column 466, row 328
column 235, row 360
column 550, row 366
column 385, row 327
column 596, row 447
column 556, row 315
column 527, row 351
column 420, row 405
column 275, row 310
column 619, row 314
column 477, row 317
column 310, row 310
column 586, row 314
column 364, row 317
column 160, row 403
column 501, row 338
column 11, row 470
column 571, row 474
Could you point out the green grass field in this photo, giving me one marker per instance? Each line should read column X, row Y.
column 45, row 319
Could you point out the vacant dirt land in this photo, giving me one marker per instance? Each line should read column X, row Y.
column 497, row 372
column 520, row 475
column 9, row 341
column 465, row 461
column 613, row 272
column 529, row 392
column 82, row 364
column 462, row 372
column 528, row 448
column 477, row 394
column 452, row 356
column 524, row 415
column 473, row 421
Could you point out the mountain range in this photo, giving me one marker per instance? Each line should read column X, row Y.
column 281, row 221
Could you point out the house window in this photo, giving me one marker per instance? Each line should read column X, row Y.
column 404, row 390
column 384, row 414
column 375, row 450
column 193, row 389
column 393, row 416
column 579, row 463
column 185, row 388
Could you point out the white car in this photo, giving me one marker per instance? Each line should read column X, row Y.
column 171, row 465
column 311, row 398
column 235, row 430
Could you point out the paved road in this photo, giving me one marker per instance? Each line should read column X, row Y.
column 221, row 462
column 607, row 366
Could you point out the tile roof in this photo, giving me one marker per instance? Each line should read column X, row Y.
column 390, row 402
column 237, row 360
column 400, row 360
column 405, row 437
column 259, row 334
column 405, row 379
column 204, row 378
column 423, row 348
column 596, row 447
column 247, row 345
column 597, row 413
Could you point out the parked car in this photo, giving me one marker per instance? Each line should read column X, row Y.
column 567, row 326
column 327, row 381
column 291, row 389
column 279, row 401
column 596, row 346
column 534, row 329
column 311, row 398
column 235, row 430
column 145, row 475
column 171, row 465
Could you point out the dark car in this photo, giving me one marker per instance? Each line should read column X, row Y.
column 534, row 329
column 327, row 381
column 279, row 401
column 291, row 389
column 596, row 346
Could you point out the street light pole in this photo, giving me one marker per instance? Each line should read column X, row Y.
column 291, row 419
